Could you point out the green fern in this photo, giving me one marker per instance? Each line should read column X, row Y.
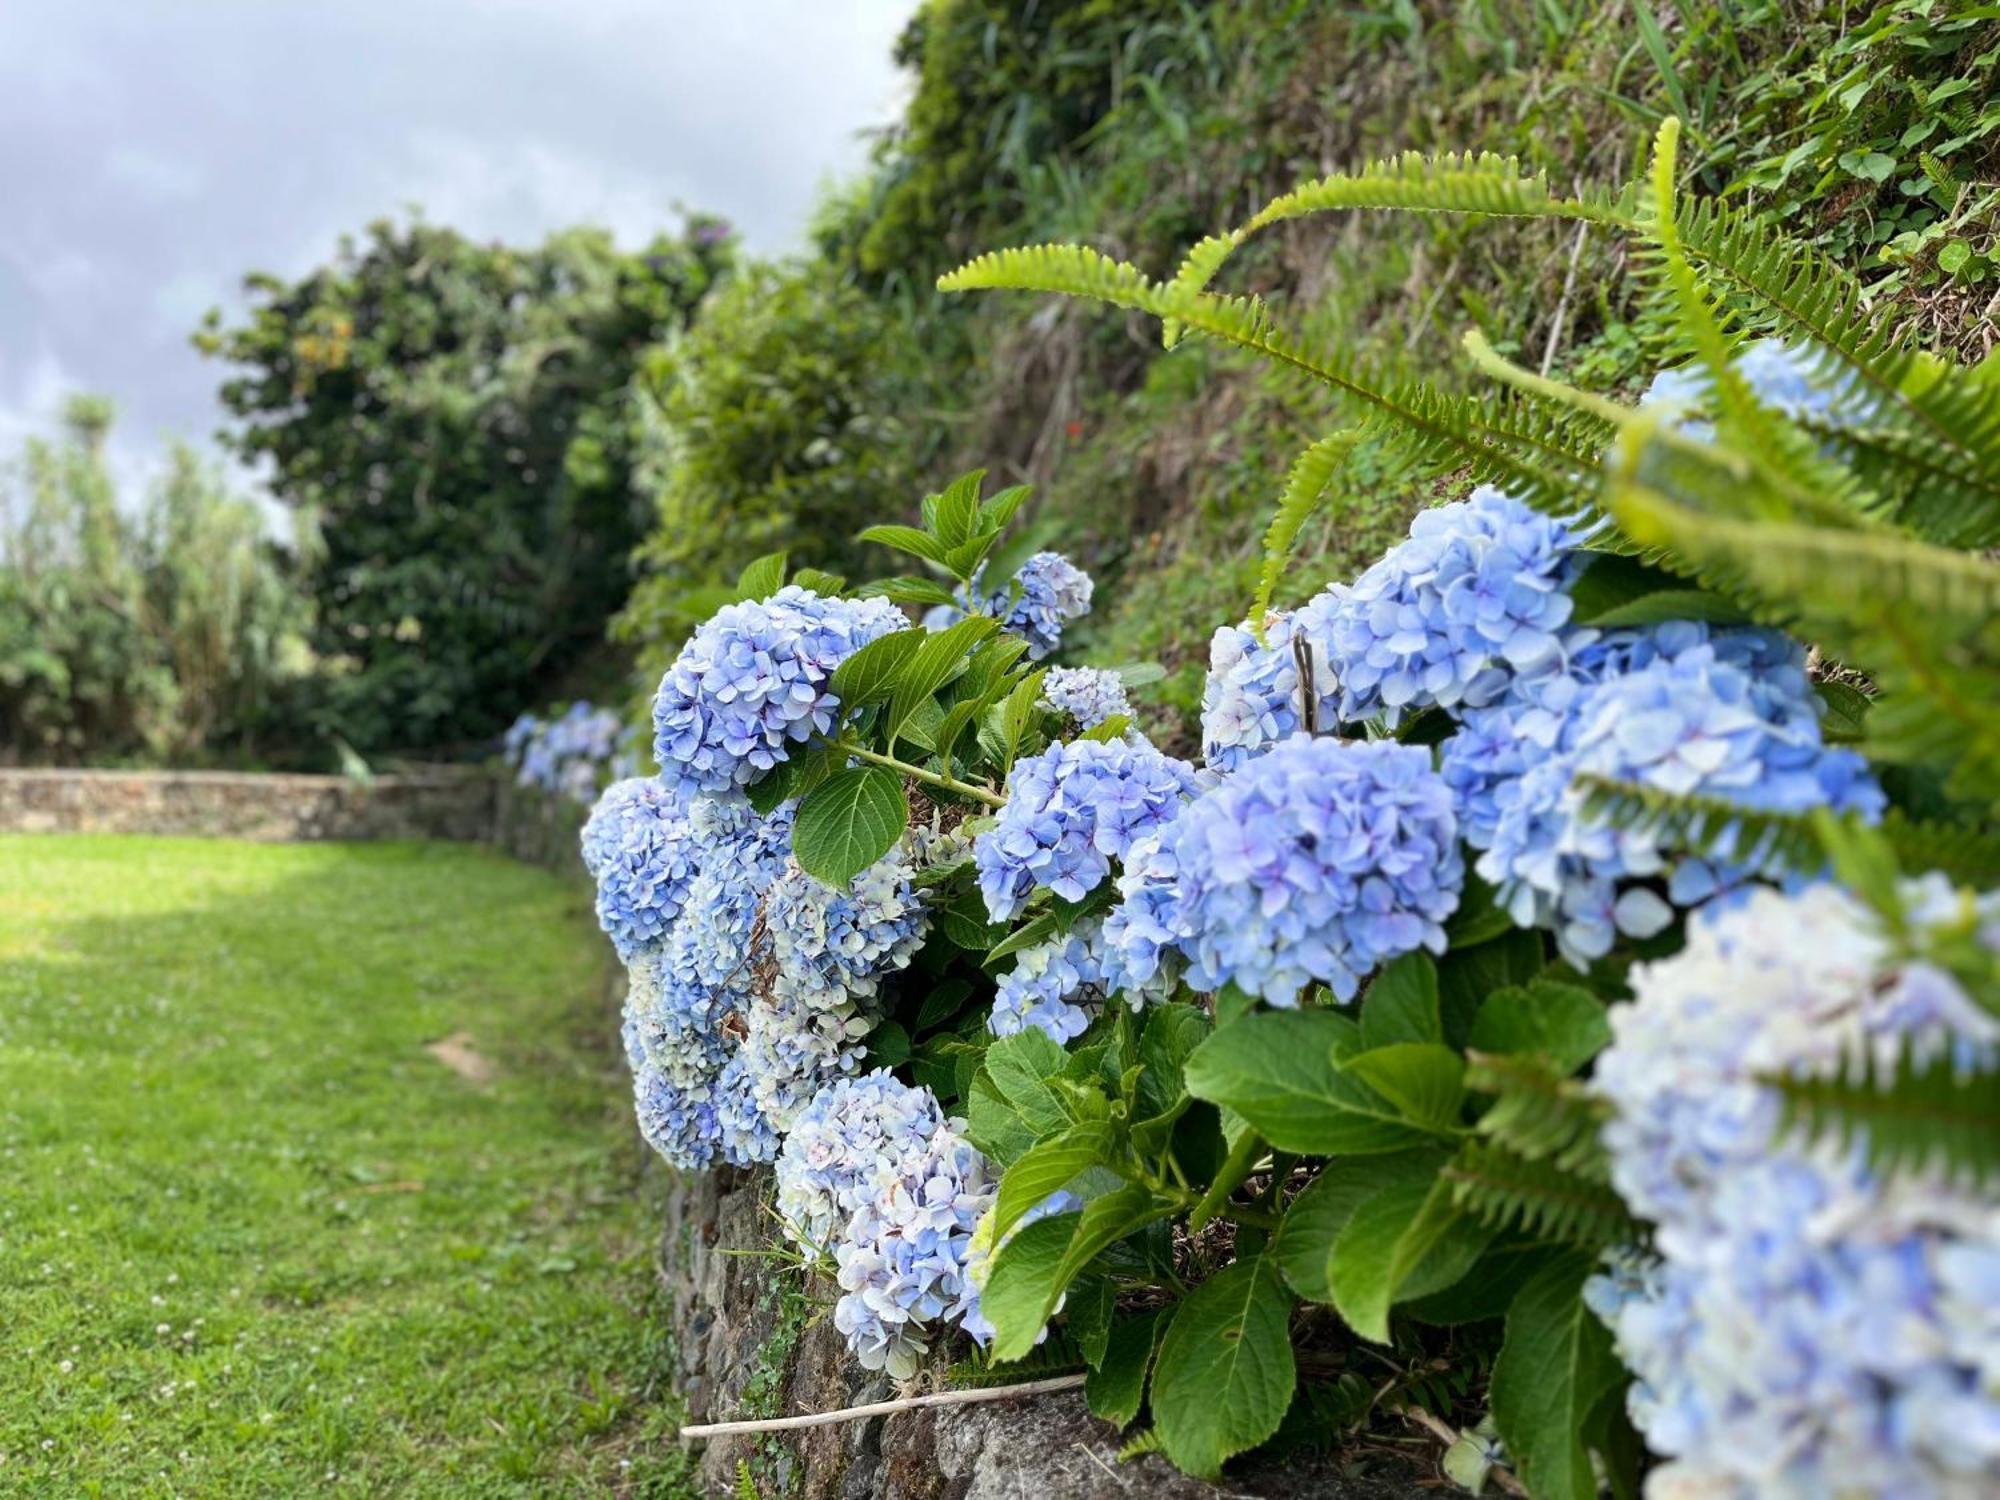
column 1057, row 1354
column 1538, row 1114
column 1505, row 1190
column 746, row 1483
column 1912, row 1113
column 1305, row 489
column 1141, row 1444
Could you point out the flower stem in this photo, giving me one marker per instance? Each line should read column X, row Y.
column 929, row 778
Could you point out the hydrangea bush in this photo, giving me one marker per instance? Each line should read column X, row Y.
column 571, row 754
column 1551, row 971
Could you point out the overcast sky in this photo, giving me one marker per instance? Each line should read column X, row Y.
column 152, row 151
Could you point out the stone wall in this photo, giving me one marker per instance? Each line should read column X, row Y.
column 447, row 803
column 752, row 1340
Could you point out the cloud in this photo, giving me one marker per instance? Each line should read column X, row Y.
column 177, row 146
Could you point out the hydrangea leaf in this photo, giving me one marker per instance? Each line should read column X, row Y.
column 1032, row 1270
column 956, row 514
column 993, row 1124
column 1050, row 1166
column 1553, row 1369
column 1424, row 1080
column 1172, row 1033
column 1467, row 976
column 1225, row 1372
column 848, row 823
column 1565, row 1022
column 1401, row 1005
column 1304, row 1246
column 929, row 667
column 870, row 673
column 908, row 539
column 1479, row 918
column 1021, row 1067
column 1116, row 1385
column 762, row 578
column 1277, row 1070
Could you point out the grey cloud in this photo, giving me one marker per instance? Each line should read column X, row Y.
column 156, row 151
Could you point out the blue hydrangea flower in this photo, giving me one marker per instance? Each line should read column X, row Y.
column 1142, row 932
column 642, row 846
column 568, row 755
column 1045, row 594
column 851, row 1135
column 1059, row 986
column 1251, row 700
column 1780, row 376
column 1805, row 1327
column 752, row 683
column 1070, row 811
column 1319, row 860
column 831, row 947
column 1730, row 716
column 1479, row 592
column 1088, row 695
column 902, row 1258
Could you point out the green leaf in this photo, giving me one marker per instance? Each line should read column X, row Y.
column 1021, row 1067
column 1276, row 1069
column 1037, row 929
column 1479, row 918
column 1401, row 1004
column 1552, row 1371
column 907, row 590
column 999, row 508
column 929, row 667
column 1424, row 1080
column 1049, row 1167
column 847, row 824
column 1564, row 1022
column 1171, row 1035
column 908, row 539
column 943, row 1000
column 1115, row 1388
column 870, row 673
column 1087, row 1314
column 1466, row 976
column 762, row 578
column 1017, row 715
column 994, row 1124
column 888, row 1045
column 957, row 513
column 1672, row 604
column 826, row 584
column 1032, row 1270
column 964, row 923
column 1304, row 1246
column 1225, row 1372
column 1407, row 1236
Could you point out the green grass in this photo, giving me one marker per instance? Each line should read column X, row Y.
column 255, row 1240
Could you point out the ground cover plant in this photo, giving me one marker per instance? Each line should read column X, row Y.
column 255, row 1239
column 1550, row 973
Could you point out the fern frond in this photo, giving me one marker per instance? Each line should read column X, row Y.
column 746, row 1483
column 1715, row 828
column 1443, row 429
column 1057, row 1354
column 1910, row 1113
column 1484, row 186
column 1505, row 1190
column 1140, row 1445
column 1948, row 412
column 1813, row 571
column 1305, row 488
column 1539, row 1114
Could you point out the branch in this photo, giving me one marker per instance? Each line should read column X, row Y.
column 887, row 1408
column 1445, row 1433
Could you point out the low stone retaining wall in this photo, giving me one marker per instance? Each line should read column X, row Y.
column 443, row 804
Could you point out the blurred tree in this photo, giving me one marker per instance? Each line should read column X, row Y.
column 162, row 630
column 458, row 421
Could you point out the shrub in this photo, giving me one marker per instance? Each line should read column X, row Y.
column 1412, row 1063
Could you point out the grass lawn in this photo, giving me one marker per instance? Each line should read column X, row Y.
column 256, row 1239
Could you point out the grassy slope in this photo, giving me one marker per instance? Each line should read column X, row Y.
column 254, row 1240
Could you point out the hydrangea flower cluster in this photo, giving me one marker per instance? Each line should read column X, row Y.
column 1319, row 860
column 876, row 1178
column 567, row 755
column 1677, row 707
column 1089, row 695
column 752, row 683
column 1780, row 377
column 640, row 847
column 1070, row 811
column 1046, row 593
column 1060, row 986
column 1251, row 700
column 1808, row 1328
column 1479, row 592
